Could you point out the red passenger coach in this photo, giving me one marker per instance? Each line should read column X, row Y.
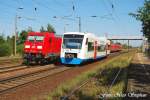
column 115, row 47
column 42, row 47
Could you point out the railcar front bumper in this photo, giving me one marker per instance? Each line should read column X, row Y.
column 72, row 61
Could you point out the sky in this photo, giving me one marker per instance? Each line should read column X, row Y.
column 111, row 16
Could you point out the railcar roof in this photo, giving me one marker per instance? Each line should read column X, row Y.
column 81, row 33
column 88, row 35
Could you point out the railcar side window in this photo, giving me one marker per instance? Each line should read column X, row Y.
column 101, row 48
column 90, row 46
column 86, row 41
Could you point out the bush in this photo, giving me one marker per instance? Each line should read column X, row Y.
column 20, row 49
column 147, row 52
column 5, row 49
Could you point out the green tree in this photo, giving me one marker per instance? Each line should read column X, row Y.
column 22, row 36
column 5, row 49
column 50, row 28
column 10, row 42
column 143, row 15
column 2, row 40
column 5, row 46
column 8, row 38
column 42, row 29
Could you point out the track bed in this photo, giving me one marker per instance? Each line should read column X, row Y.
column 40, row 84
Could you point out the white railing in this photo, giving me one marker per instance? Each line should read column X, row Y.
column 125, row 37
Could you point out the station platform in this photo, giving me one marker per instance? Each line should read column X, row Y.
column 138, row 86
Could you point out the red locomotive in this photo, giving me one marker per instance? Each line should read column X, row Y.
column 42, row 47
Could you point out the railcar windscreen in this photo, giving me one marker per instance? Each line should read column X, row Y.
column 72, row 41
column 37, row 38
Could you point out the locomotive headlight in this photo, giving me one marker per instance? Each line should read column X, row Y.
column 27, row 46
column 39, row 47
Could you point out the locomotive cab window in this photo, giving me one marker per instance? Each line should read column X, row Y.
column 31, row 38
column 39, row 38
column 35, row 38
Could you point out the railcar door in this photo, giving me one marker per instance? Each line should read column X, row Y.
column 95, row 49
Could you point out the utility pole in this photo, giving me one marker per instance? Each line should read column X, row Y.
column 79, row 23
column 15, row 35
column 128, row 45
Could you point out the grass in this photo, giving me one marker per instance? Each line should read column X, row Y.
column 100, row 83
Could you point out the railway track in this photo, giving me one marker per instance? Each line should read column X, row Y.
column 14, row 82
column 15, row 68
column 12, row 68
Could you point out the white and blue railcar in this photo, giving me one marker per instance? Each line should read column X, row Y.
column 80, row 47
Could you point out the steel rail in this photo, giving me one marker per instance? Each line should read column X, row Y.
column 13, row 83
column 12, row 68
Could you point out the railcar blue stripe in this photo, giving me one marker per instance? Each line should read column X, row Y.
column 77, row 61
